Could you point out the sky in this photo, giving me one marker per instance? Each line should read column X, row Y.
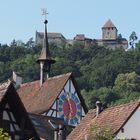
column 20, row 19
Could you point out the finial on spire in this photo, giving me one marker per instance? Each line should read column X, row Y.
column 45, row 13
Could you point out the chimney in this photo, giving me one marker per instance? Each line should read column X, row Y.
column 98, row 108
column 16, row 79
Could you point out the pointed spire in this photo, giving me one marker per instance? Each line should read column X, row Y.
column 109, row 24
column 45, row 52
column 45, row 59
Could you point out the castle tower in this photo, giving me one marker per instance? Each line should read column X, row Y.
column 45, row 59
column 109, row 31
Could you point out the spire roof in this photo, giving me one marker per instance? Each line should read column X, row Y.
column 45, row 52
column 109, row 24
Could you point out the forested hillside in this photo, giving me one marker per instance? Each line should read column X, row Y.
column 109, row 75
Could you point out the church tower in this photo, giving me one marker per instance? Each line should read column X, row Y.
column 45, row 59
column 109, row 31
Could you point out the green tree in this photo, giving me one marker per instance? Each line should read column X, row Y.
column 128, row 82
column 98, row 132
column 119, row 38
column 4, row 135
column 106, row 95
column 27, row 67
column 133, row 37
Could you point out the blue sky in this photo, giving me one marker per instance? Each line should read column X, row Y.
column 21, row 18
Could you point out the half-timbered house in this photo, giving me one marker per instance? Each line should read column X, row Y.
column 50, row 98
column 13, row 116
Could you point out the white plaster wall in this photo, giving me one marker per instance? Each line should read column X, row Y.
column 132, row 127
column 5, row 116
column 67, row 86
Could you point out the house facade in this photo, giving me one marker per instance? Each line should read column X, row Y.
column 122, row 121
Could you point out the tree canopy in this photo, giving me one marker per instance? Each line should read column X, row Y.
column 111, row 76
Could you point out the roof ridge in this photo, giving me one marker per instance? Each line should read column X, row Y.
column 32, row 82
column 130, row 102
column 50, row 78
column 50, row 33
column 118, row 105
column 5, row 84
column 61, row 75
column 54, row 33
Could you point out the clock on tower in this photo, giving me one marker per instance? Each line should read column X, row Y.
column 69, row 108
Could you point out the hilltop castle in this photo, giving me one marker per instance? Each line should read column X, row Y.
column 110, row 38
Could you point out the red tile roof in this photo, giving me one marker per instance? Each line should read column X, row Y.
column 38, row 99
column 114, row 117
column 79, row 37
column 109, row 24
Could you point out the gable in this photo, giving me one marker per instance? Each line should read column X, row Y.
column 38, row 99
column 60, row 106
column 131, row 127
column 13, row 116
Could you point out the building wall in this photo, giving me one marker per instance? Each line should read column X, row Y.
column 58, row 40
column 131, row 128
column 109, row 33
column 112, row 44
column 115, row 46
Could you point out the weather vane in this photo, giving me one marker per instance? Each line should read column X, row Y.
column 45, row 13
